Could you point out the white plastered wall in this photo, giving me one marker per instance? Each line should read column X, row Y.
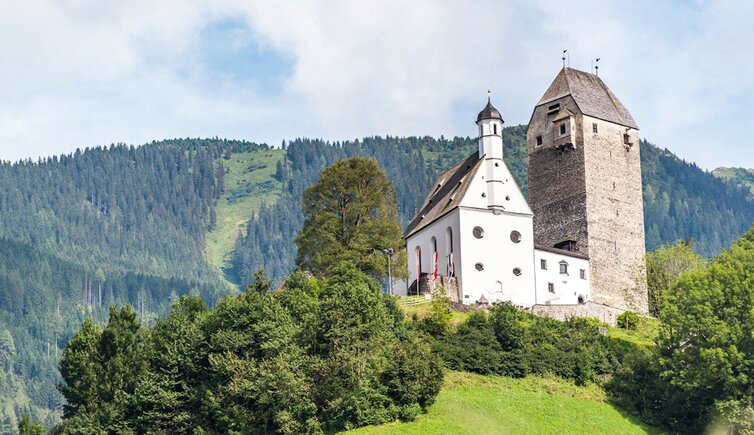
column 567, row 287
column 499, row 256
column 423, row 239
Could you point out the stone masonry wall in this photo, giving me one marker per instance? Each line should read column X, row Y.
column 593, row 194
column 604, row 313
column 557, row 183
column 615, row 215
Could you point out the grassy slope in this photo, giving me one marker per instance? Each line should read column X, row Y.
column 644, row 335
column 474, row 404
column 739, row 176
column 248, row 184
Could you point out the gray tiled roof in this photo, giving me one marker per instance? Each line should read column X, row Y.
column 489, row 112
column 591, row 94
column 446, row 194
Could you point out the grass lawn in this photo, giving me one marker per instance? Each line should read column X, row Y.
column 418, row 305
column 249, row 182
column 475, row 404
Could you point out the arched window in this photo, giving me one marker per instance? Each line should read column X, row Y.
column 435, row 257
column 449, row 249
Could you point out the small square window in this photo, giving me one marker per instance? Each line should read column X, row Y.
column 582, row 273
column 594, row 127
column 543, row 264
column 551, row 287
column 564, row 268
column 562, row 128
column 627, row 139
column 539, row 140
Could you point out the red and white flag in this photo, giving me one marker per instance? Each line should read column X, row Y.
column 434, row 272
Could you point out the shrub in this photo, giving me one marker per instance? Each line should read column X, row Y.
column 628, row 320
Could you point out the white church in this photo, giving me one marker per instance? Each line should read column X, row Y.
column 474, row 235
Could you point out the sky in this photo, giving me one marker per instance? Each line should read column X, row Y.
column 83, row 73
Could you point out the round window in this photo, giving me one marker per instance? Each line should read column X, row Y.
column 479, row 266
column 517, row 271
column 478, row 232
column 515, row 236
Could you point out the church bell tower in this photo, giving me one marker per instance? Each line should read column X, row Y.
column 490, row 124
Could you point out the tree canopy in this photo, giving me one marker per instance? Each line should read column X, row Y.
column 321, row 354
column 351, row 215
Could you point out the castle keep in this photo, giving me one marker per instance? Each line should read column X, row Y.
column 576, row 247
column 585, row 183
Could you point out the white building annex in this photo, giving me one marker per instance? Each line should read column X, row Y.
column 477, row 237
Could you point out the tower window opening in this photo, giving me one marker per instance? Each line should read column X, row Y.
column 594, row 127
column 543, row 264
column 582, row 273
column 562, row 128
column 494, row 128
column 627, row 139
column 478, row 232
column 551, row 287
column 479, row 267
column 516, row 271
column 539, row 140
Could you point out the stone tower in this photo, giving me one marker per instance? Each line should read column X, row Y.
column 585, row 184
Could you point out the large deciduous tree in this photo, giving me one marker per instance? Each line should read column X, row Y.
column 350, row 216
column 706, row 345
column 664, row 268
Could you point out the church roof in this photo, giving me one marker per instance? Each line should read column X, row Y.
column 447, row 193
column 489, row 112
column 591, row 94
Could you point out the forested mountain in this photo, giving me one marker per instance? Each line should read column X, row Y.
column 80, row 232
column 681, row 201
column 140, row 226
column 738, row 176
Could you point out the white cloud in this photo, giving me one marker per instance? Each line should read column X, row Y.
column 82, row 73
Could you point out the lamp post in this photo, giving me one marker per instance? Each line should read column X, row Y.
column 389, row 252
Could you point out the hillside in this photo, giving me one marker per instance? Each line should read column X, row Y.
column 143, row 225
column 475, row 404
column 738, row 176
column 249, row 182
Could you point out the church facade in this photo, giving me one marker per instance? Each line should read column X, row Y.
column 579, row 238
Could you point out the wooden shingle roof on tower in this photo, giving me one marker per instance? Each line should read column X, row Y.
column 591, row 95
column 446, row 194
